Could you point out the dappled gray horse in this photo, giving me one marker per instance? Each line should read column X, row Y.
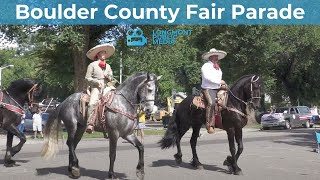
column 120, row 120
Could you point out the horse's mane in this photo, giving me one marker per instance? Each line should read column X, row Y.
column 131, row 78
column 20, row 85
column 239, row 82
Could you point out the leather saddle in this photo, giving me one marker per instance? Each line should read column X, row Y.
column 98, row 114
column 200, row 102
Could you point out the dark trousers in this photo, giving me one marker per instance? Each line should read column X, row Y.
column 210, row 95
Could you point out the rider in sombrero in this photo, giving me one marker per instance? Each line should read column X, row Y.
column 98, row 75
column 211, row 82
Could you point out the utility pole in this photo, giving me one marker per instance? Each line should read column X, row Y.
column 3, row 67
column 121, row 66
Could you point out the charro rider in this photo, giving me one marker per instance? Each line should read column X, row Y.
column 211, row 82
column 99, row 75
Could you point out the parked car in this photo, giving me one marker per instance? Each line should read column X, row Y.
column 48, row 103
column 288, row 117
column 28, row 121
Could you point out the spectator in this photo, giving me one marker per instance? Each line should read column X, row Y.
column 141, row 125
column 37, row 123
column 21, row 125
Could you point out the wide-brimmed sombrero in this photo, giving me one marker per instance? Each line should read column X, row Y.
column 108, row 48
column 213, row 51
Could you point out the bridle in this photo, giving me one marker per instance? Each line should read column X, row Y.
column 250, row 101
column 17, row 108
column 30, row 94
column 252, row 95
column 142, row 102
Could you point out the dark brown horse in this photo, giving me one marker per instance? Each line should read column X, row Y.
column 12, row 101
column 243, row 95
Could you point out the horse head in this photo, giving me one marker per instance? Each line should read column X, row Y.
column 147, row 92
column 252, row 91
column 26, row 90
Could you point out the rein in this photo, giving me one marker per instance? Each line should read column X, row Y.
column 246, row 103
column 106, row 102
column 10, row 107
column 141, row 102
column 30, row 94
column 17, row 109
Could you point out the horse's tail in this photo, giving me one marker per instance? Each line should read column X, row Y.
column 51, row 136
column 171, row 135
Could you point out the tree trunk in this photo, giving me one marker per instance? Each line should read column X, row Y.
column 80, row 61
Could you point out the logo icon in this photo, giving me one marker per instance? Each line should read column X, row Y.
column 135, row 37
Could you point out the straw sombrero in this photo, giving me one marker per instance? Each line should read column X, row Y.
column 108, row 48
column 213, row 51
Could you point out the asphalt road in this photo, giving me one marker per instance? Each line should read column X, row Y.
column 273, row 154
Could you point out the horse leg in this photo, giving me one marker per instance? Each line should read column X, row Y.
column 8, row 162
column 238, row 136
column 178, row 155
column 193, row 142
column 231, row 160
column 136, row 143
column 11, row 151
column 113, row 140
column 73, row 139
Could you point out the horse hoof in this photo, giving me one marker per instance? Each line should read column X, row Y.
column 10, row 163
column 238, row 172
column 178, row 159
column 230, row 170
column 228, row 161
column 74, row 173
column 140, row 174
column 112, row 176
column 200, row 167
column 196, row 164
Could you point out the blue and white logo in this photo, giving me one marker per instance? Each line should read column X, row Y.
column 135, row 37
column 169, row 36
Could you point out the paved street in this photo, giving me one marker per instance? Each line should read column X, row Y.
column 274, row 154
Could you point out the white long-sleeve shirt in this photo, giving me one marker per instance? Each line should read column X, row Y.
column 211, row 77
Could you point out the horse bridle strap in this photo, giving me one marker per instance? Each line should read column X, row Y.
column 246, row 103
column 236, row 111
column 30, row 93
column 9, row 106
column 253, row 81
column 106, row 102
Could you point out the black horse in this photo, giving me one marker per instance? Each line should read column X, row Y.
column 12, row 101
column 120, row 121
column 244, row 95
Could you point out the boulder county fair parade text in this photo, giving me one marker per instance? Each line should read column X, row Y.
column 112, row 12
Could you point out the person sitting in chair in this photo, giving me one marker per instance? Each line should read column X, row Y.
column 211, row 82
column 99, row 75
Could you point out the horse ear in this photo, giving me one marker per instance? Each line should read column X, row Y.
column 159, row 77
column 148, row 76
column 255, row 78
column 38, row 84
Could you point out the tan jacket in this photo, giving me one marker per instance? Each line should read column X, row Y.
column 96, row 74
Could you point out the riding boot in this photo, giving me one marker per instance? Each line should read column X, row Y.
column 90, row 121
column 210, row 119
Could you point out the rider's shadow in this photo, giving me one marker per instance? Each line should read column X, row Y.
column 95, row 174
column 172, row 163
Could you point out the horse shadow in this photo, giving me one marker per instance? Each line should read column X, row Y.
column 17, row 161
column 62, row 170
column 173, row 163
